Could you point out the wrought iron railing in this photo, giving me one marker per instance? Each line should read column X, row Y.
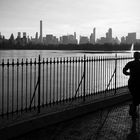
column 30, row 84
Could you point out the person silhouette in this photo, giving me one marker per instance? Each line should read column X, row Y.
column 132, row 69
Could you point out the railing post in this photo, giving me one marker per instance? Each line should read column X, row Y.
column 84, row 76
column 115, row 73
column 39, row 79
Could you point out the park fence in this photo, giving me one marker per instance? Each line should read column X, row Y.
column 29, row 84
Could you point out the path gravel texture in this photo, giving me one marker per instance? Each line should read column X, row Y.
column 109, row 124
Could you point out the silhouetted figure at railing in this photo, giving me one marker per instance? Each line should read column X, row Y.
column 132, row 69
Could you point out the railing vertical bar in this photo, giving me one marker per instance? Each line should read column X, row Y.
column 60, row 79
column 43, row 82
column 50, row 80
column 35, row 82
column 84, row 77
column 17, row 82
column 115, row 73
column 94, row 78
column 47, row 82
column 92, row 75
column 97, row 61
column 73, row 79
column 2, row 87
column 7, row 86
column 30, row 81
column 22, row 85
column 64, row 81
column 101, row 75
column 39, row 82
column 76, row 75
column 54, row 81
column 63, row 78
column 104, row 66
column 70, row 81
column 81, row 73
column 109, row 70
column 26, row 84
column 106, row 73
column 12, row 85
column 67, row 78
column 57, row 80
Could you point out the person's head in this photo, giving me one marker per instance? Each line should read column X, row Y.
column 136, row 55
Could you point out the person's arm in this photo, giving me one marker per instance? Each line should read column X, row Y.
column 126, row 69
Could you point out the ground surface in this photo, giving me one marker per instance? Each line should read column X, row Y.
column 108, row 124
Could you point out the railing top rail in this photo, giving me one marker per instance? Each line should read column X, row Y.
column 35, row 61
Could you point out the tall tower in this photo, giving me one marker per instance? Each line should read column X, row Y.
column 41, row 37
column 94, row 35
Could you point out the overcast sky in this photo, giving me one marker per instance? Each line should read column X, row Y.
column 61, row 17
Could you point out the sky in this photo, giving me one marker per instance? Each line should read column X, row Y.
column 62, row 17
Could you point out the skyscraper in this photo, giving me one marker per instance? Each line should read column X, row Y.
column 41, row 36
column 109, row 36
column 92, row 37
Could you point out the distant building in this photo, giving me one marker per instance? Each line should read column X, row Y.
column 84, row 40
column 11, row 39
column 102, row 40
column 68, row 39
column 123, row 40
column 24, row 39
column 109, row 36
column 41, row 34
column 92, row 37
column 50, row 39
column 131, row 38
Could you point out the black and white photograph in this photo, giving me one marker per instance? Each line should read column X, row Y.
column 69, row 69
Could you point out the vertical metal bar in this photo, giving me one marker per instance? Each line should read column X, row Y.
column 22, row 85
column 30, row 81
column 47, row 81
column 43, row 97
column 57, row 98
column 86, row 80
column 79, row 74
column 2, row 87
column 70, row 81
column 89, row 76
column 35, row 82
column 26, row 83
column 115, row 73
column 73, row 83
column 12, row 85
column 76, row 73
column 92, row 76
column 84, row 77
column 39, row 84
column 67, row 79
column 8, row 87
column 50, row 80
column 64, row 83
column 17, row 81
column 54, row 81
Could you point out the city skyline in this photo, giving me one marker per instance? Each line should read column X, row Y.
column 65, row 17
